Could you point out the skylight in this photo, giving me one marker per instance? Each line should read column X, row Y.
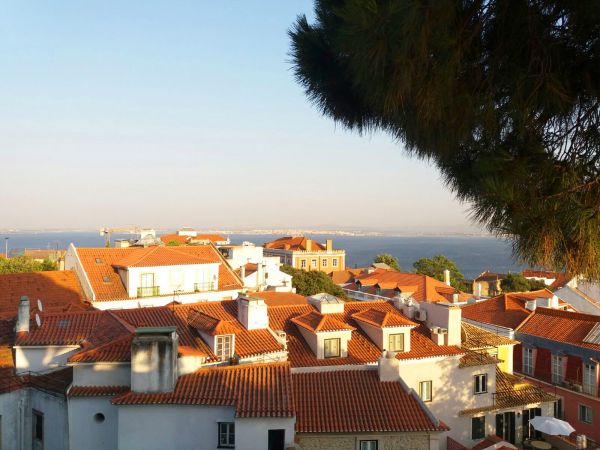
column 593, row 337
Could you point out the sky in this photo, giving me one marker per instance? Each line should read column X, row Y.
column 172, row 113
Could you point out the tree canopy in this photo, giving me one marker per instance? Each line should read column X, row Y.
column 313, row 282
column 434, row 267
column 389, row 259
column 515, row 282
column 502, row 96
column 19, row 264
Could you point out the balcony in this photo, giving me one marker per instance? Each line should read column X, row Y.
column 204, row 287
column 148, row 291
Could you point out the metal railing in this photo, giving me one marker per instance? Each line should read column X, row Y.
column 203, row 287
column 148, row 291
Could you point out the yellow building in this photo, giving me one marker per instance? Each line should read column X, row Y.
column 306, row 254
column 487, row 284
column 480, row 341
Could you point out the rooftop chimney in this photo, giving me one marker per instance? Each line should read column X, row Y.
column 252, row 313
column 308, row 245
column 388, row 367
column 260, row 275
column 242, row 272
column 23, row 315
column 447, row 277
column 154, row 359
column 329, row 245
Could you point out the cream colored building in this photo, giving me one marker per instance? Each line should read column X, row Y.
column 305, row 254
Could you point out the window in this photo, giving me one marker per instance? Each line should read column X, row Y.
column 527, row 361
column 147, row 280
column 334, row 262
column 528, row 430
column 585, row 414
column 276, row 440
column 589, row 379
column 313, row 263
column 224, row 347
column 558, row 408
column 37, row 427
column 396, row 342
column 368, row 445
column 99, row 418
column 425, row 390
column 478, row 427
column 226, row 434
column 332, row 348
column 303, row 263
column 557, row 372
column 480, row 383
column 324, row 262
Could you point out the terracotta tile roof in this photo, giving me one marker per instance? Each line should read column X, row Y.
column 293, row 243
column 355, row 401
column 383, row 319
column 210, row 325
column 97, row 391
column 361, row 349
column 58, row 291
column 560, row 278
column 345, row 276
column 421, row 286
column 99, row 265
column 7, row 337
column 273, row 298
column 315, row 321
column 506, row 310
column 55, row 381
column 490, row 276
column 256, row 390
column 160, row 256
column 472, row 359
column 474, row 338
column 118, row 350
column 561, row 326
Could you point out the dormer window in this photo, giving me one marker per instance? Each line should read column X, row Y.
column 396, row 342
column 106, row 279
column 223, row 346
column 332, row 348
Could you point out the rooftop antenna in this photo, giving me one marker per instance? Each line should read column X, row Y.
column 38, row 321
column 40, row 305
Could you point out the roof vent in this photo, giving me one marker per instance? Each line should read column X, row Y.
column 326, row 303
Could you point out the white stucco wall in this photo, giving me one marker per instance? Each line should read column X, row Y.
column 16, row 409
column 146, row 302
column 243, row 254
column 253, row 433
column 85, row 431
column 73, row 263
column 39, row 359
column 101, row 374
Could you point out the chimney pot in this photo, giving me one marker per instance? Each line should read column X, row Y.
column 447, row 277
column 23, row 315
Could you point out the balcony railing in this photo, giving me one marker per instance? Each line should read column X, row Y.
column 148, row 291
column 204, row 287
column 363, row 296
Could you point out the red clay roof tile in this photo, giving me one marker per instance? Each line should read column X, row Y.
column 315, row 321
column 97, row 391
column 383, row 319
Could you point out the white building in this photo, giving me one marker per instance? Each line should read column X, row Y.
column 136, row 277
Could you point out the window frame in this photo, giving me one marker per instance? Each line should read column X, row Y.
column 323, row 262
column 394, row 335
column 225, row 338
column 589, row 417
column 339, row 347
column 334, row 262
column 473, row 419
column 303, row 263
column 369, row 442
column 228, row 433
column 528, row 358
column 477, row 382
column 557, row 376
column 589, row 380
column 37, row 425
column 430, row 391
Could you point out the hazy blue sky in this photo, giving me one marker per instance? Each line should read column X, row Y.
column 186, row 113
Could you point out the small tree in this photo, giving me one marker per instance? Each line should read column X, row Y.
column 388, row 259
column 515, row 282
column 20, row 264
column 172, row 244
column 313, row 282
column 434, row 267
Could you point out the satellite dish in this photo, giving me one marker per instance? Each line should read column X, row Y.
column 38, row 321
column 40, row 305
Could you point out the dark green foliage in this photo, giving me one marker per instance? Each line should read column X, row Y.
column 434, row 267
column 19, row 264
column 388, row 259
column 503, row 96
column 172, row 244
column 515, row 282
column 313, row 282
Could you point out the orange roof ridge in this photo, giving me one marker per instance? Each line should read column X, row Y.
column 315, row 321
column 383, row 319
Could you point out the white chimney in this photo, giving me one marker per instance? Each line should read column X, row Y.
column 478, row 289
column 447, row 277
column 23, row 315
column 554, row 302
column 260, row 271
column 439, row 335
column 388, row 367
column 154, row 359
column 253, row 313
column 242, row 272
column 530, row 305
